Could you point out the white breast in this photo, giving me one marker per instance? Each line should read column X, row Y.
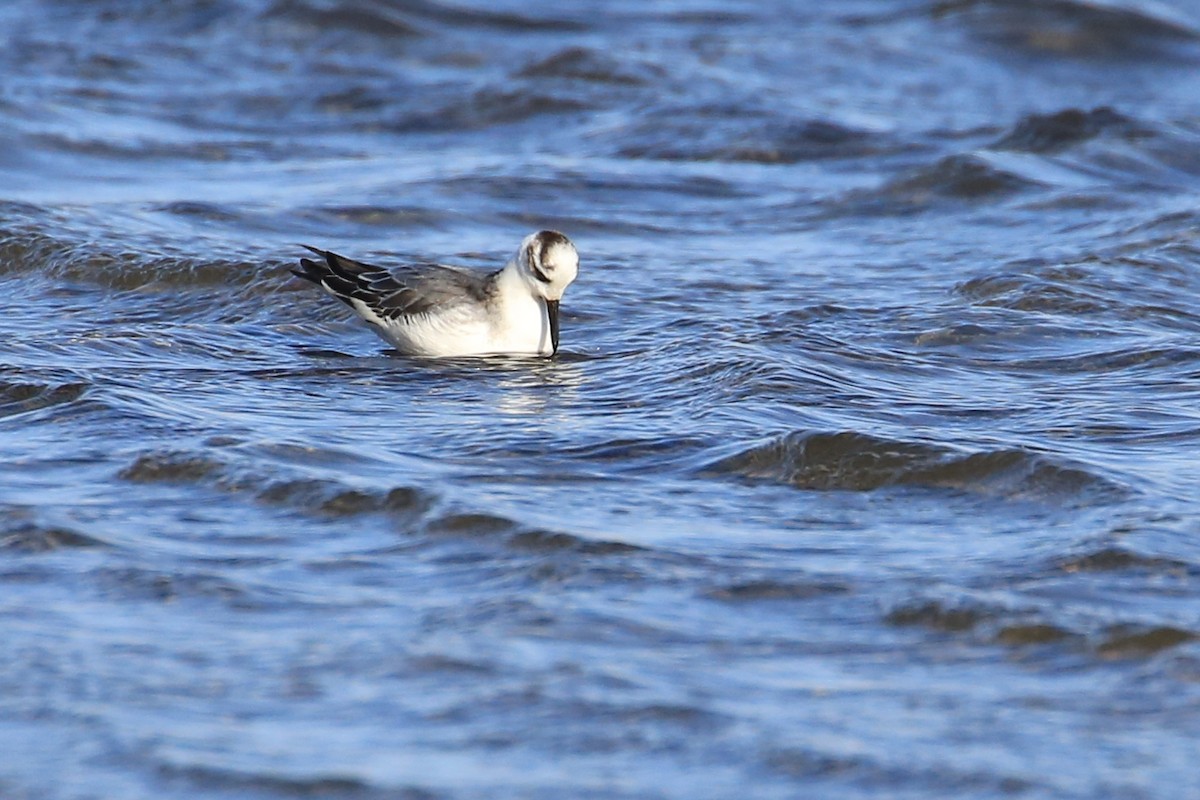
column 523, row 326
column 515, row 322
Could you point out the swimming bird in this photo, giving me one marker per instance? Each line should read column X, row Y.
column 438, row 310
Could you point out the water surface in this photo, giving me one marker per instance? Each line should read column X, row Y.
column 867, row 467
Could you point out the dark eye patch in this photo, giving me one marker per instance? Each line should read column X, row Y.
column 548, row 239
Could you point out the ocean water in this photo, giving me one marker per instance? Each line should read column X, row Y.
column 868, row 466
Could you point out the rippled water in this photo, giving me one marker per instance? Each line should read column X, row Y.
column 868, row 467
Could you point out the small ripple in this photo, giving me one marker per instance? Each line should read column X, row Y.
column 1024, row 292
column 471, row 524
column 938, row 780
column 1076, row 28
column 314, row 496
column 1052, row 133
column 413, row 509
column 28, row 536
column 145, row 149
column 938, row 615
column 352, row 16
column 27, row 250
column 330, row 499
column 20, row 397
column 860, row 462
column 170, row 467
column 1028, row 628
column 1130, row 641
column 1113, row 558
column 1123, row 289
column 541, row 541
column 211, row 778
column 955, row 178
column 463, row 16
column 519, row 537
column 488, row 107
column 165, row 587
column 769, row 589
column 209, row 212
column 628, row 454
column 439, row 664
column 1066, row 159
column 586, row 64
column 390, row 216
column 740, row 135
column 1033, row 635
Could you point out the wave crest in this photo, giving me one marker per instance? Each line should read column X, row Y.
column 859, row 462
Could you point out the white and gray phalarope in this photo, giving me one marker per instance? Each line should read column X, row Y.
column 437, row 310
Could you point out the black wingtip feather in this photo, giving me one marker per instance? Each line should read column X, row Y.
column 312, row 272
column 312, row 269
column 334, row 265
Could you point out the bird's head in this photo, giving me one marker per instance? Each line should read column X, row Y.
column 548, row 261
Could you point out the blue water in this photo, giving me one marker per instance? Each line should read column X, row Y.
column 866, row 469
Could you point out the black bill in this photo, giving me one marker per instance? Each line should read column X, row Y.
column 552, row 313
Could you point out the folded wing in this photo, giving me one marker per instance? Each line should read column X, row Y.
column 393, row 295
